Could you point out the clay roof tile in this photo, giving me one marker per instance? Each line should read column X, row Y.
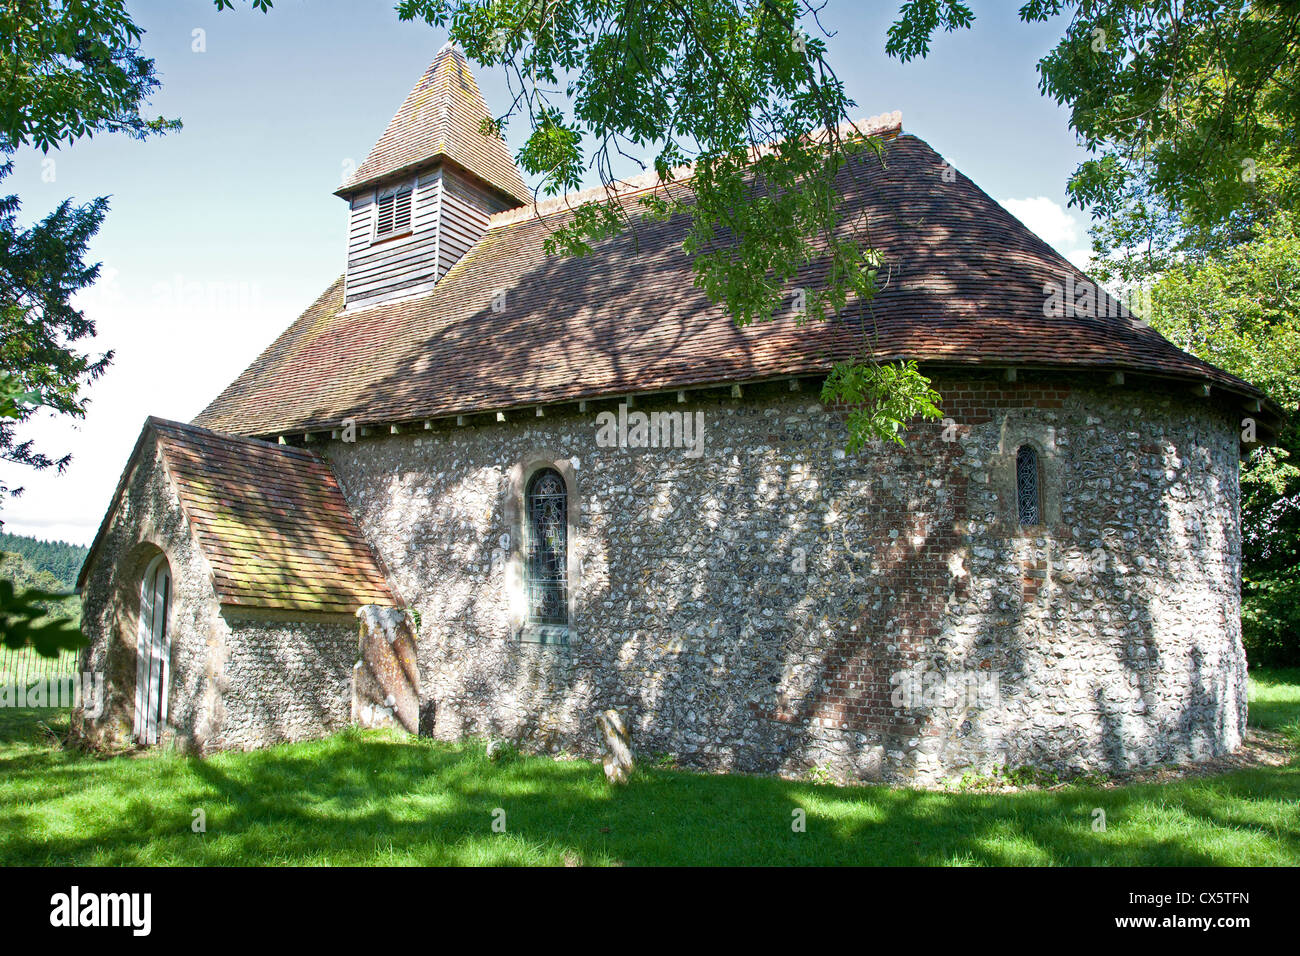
column 440, row 119
column 963, row 282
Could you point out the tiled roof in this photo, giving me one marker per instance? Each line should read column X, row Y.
column 270, row 519
column 964, row 283
column 441, row 117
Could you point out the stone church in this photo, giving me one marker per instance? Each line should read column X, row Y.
column 478, row 490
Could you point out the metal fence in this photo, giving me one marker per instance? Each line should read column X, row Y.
column 23, row 666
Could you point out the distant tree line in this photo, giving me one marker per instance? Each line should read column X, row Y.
column 59, row 559
column 43, row 568
column 33, row 565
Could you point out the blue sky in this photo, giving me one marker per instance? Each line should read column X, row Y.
column 220, row 234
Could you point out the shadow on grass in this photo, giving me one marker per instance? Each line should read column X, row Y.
column 22, row 724
column 383, row 799
column 1275, row 700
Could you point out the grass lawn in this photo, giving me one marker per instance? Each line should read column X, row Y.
column 374, row 798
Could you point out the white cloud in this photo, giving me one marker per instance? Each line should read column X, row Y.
column 1046, row 217
column 1054, row 224
column 1080, row 257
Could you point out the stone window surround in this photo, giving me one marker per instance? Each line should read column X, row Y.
column 515, row 514
column 1042, row 438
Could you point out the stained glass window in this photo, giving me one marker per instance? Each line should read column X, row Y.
column 1028, row 502
column 548, row 540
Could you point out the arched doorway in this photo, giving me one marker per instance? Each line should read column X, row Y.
column 153, row 651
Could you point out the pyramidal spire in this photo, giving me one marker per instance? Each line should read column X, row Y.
column 440, row 118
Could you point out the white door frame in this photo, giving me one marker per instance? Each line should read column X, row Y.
column 153, row 652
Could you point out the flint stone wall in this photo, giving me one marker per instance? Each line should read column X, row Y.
column 775, row 604
column 236, row 681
